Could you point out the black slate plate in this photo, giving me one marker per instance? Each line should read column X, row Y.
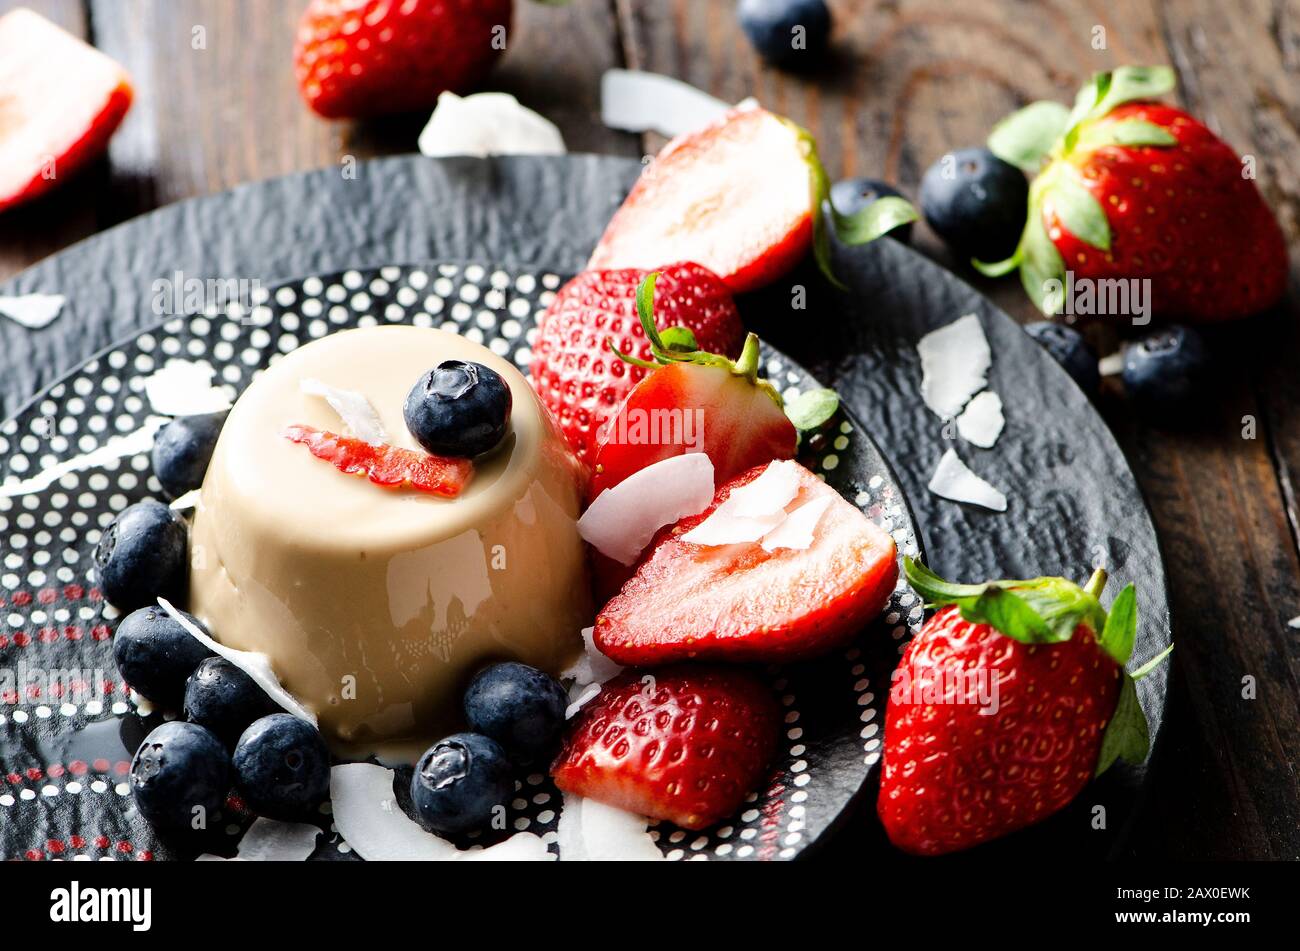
column 833, row 707
column 1073, row 499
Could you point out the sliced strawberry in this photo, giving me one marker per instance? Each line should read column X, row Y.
column 60, row 101
column 696, row 402
column 740, row 602
column 684, row 744
column 573, row 370
column 743, row 197
column 357, row 58
column 389, row 466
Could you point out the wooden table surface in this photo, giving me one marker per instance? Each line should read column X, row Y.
column 909, row 80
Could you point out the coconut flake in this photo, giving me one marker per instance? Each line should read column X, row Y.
column 520, row 847
column 257, row 666
column 584, row 695
column 1294, row 623
column 366, row 813
column 268, row 840
column 488, row 123
column 796, row 530
column 955, row 361
column 118, row 447
column 184, row 388
column 638, row 101
column 751, row 511
column 591, row 831
column 982, row 421
column 953, row 480
column 1112, row 364
column 186, row 501
column 623, row 519
column 592, row 666
column 33, row 311
column 357, row 412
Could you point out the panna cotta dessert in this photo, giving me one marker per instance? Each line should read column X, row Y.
column 375, row 603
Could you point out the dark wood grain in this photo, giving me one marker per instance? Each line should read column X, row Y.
column 908, row 80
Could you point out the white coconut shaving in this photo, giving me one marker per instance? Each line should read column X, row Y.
column 268, row 840
column 367, row 815
column 579, row 697
column 1294, row 623
column 797, row 530
column 982, row 421
column 1112, row 364
column 186, row 501
column 184, row 388
column 953, row 480
column 118, row 447
column 623, row 519
column 358, row 414
column 752, row 510
column 33, row 311
column 592, row 666
column 488, row 123
column 257, row 666
column 955, row 361
column 591, row 831
column 636, row 101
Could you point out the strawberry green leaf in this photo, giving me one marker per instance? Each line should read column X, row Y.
column 997, row 268
column 1129, row 132
column 875, row 220
column 812, row 408
column 1062, row 605
column 1008, row 613
column 679, row 339
column 1152, row 664
column 1042, row 270
column 1127, row 736
column 1078, row 209
column 935, row 589
column 1120, row 630
column 1025, row 138
column 1130, row 83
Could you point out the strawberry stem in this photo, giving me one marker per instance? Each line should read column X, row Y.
column 1096, row 583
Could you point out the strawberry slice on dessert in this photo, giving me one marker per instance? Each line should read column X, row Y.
column 60, row 101
column 684, row 744
column 692, row 401
column 786, row 570
column 742, row 197
column 574, row 373
column 389, row 466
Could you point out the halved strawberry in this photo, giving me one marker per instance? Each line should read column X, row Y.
column 743, row 197
column 696, row 402
column 685, row 744
column 389, row 466
column 741, row 602
column 60, row 101
column 572, row 369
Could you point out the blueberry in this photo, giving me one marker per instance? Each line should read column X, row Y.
column 459, row 781
column 155, row 655
column 851, row 195
column 458, row 409
column 786, row 33
column 142, row 556
column 1167, row 369
column 282, row 767
column 976, row 202
column 221, row 697
column 179, row 776
column 520, row 707
column 183, row 449
column 1068, row 348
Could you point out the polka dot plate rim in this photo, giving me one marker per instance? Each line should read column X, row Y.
column 834, row 706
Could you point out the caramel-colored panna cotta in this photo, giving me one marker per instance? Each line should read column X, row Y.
column 375, row 605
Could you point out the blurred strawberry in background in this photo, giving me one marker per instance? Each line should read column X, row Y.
column 360, row 58
column 60, row 102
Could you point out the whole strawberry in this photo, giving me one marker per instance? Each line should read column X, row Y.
column 356, row 59
column 1011, row 698
column 573, row 370
column 685, row 744
column 1135, row 189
